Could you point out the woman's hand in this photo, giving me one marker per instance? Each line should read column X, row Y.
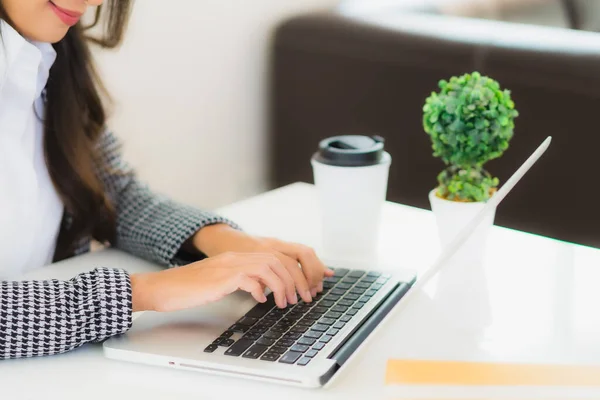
column 211, row 279
column 301, row 262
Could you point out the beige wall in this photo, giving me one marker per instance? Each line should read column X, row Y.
column 189, row 84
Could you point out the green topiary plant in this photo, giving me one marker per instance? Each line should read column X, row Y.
column 470, row 121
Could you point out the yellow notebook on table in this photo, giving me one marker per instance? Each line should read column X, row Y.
column 458, row 373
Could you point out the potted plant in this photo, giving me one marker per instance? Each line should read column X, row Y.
column 470, row 121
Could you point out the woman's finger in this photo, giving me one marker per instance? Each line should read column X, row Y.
column 284, row 274
column 313, row 268
column 253, row 287
column 265, row 273
column 293, row 268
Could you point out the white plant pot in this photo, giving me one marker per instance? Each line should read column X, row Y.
column 462, row 283
column 451, row 217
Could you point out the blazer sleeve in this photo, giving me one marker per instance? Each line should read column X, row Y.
column 39, row 318
column 149, row 225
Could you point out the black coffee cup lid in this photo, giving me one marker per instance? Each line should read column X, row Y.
column 350, row 151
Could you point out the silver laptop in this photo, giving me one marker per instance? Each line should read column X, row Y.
column 302, row 345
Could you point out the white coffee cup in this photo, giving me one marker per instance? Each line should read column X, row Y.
column 351, row 175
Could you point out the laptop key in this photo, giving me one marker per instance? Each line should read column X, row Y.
column 340, row 272
column 328, row 285
column 307, row 341
column 295, row 315
column 273, row 335
column 287, row 321
column 337, row 291
column 325, row 339
column 261, row 309
column 319, row 310
column 326, row 321
column 270, row 356
column 239, row 328
column 346, row 318
column 226, row 342
column 338, row 309
column 292, row 335
column 227, row 334
column 343, row 286
column 279, row 328
column 299, row 328
column 255, row 351
column 278, row 349
column 300, row 348
column 370, row 292
column 303, row 361
column 326, row 303
column 285, row 342
column 311, row 353
column 313, row 334
column 376, row 274
column 259, row 329
column 263, row 325
column 363, row 285
column 356, row 273
column 345, row 302
column 211, row 348
column 339, row 325
column 333, row 331
column 351, row 296
column 357, row 291
column 239, row 347
column 218, row 340
column 333, row 314
column 290, row 357
column 364, row 299
column 311, row 316
column 319, row 346
column 248, row 321
column 377, row 286
column 269, row 319
column 359, row 305
column 251, row 336
column 308, row 319
column 369, row 279
column 265, row 341
column 349, row 279
column 320, row 328
column 279, row 313
column 254, row 330
column 351, row 311
column 302, row 306
column 332, row 297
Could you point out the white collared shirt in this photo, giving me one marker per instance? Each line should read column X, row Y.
column 30, row 208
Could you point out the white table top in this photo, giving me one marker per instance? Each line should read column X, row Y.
column 535, row 300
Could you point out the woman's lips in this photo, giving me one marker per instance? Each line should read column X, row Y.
column 69, row 17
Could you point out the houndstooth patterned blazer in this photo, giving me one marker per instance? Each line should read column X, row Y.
column 48, row 317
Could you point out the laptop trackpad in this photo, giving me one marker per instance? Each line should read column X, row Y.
column 175, row 333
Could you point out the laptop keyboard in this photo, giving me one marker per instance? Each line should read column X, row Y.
column 296, row 334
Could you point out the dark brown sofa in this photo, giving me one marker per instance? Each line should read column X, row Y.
column 337, row 74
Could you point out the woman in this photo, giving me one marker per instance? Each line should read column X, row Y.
column 63, row 183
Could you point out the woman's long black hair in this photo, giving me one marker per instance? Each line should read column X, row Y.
column 74, row 120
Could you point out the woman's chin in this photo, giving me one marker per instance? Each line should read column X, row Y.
column 54, row 35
